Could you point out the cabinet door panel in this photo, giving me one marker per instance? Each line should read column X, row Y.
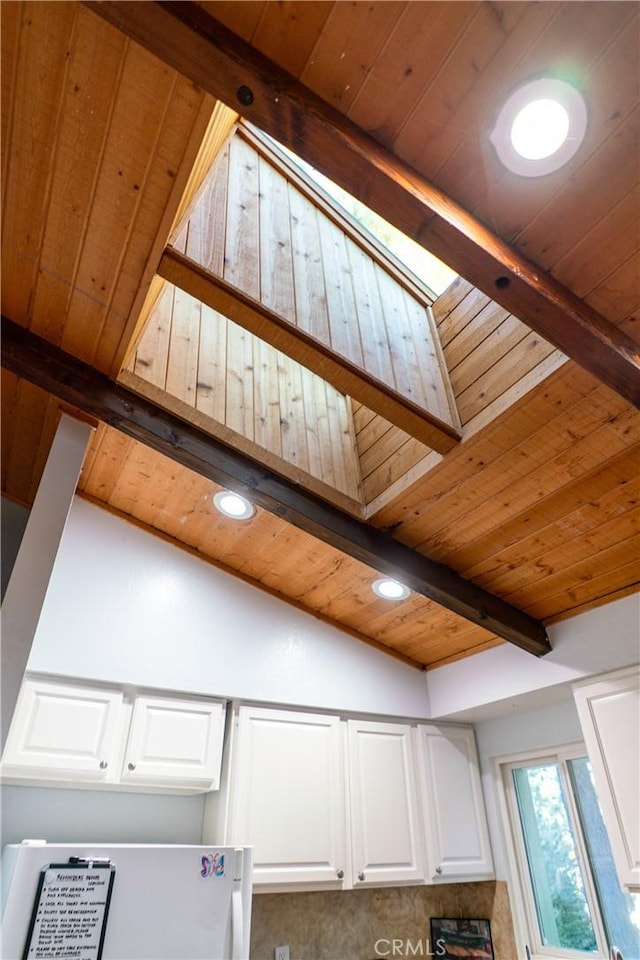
column 609, row 711
column 455, row 819
column 71, row 730
column 176, row 741
column 288, row 797
column 384, row 810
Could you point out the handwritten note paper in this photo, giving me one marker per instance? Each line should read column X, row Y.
column 70, row 912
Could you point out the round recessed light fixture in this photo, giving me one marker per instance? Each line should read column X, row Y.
column 233, row 505
column 540, row 127
column 390, row 589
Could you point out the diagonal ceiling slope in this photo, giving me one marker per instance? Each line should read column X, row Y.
column 192, row 41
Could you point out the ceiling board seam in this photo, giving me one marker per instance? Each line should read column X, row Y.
column 543, row 209
column 72, row 287
column 603, row 601
column 579, row 586
column 50, row 173
column 245, row 445
column 536, row 572
column 504, row 173
column 131, row 226
column 451, row 54
column 537, row 526
column 588, row 241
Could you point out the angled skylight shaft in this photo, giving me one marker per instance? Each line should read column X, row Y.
column 433, row 273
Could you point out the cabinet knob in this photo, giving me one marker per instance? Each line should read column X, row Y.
column 131, row 766
column 340, row 874
column 103, row 764
column 438, row 870
column 361, row 875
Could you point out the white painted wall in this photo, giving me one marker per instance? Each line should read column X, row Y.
column 123, row 606
column 548, row 726
column 52, row 814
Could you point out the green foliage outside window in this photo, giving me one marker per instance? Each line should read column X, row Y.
column 561, row 902
column 557, row 864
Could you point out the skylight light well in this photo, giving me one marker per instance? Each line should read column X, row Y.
column 433, row 273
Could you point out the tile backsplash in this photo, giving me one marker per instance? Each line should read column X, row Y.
column 362, row 924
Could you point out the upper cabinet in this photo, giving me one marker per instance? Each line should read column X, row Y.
column 385, row 831
column 609, row 711
column 92, row 735
column 454, row 815
column 175, row 740
column 344, row 802
column 66, row 732
column 287, row 796
column 324, row 800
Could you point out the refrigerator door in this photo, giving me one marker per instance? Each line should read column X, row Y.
column 167, row 902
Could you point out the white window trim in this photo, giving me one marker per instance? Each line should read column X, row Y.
column 522, row 902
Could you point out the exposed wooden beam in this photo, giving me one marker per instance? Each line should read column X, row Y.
column 306, row 350
column 75, row 382
column 188, row 38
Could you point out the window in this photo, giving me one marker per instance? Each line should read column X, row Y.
column 572, row 904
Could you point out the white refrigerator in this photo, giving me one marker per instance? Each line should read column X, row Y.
column 125, row 902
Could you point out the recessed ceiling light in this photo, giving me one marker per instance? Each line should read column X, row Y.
column 540, row 127
column 390, row 589
column 233, row 505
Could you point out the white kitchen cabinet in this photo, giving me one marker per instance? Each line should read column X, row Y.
column 287, row 796
column 457, row 836
column 326, row 801
column 385, row 829
column 65, row 733
column 175, row 741
column 609, row 712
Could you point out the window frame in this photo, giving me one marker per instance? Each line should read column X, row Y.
column 525, row 913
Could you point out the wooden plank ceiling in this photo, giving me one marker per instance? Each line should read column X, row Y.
column 313, row 286
column 310, row 288
column 538, row 504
